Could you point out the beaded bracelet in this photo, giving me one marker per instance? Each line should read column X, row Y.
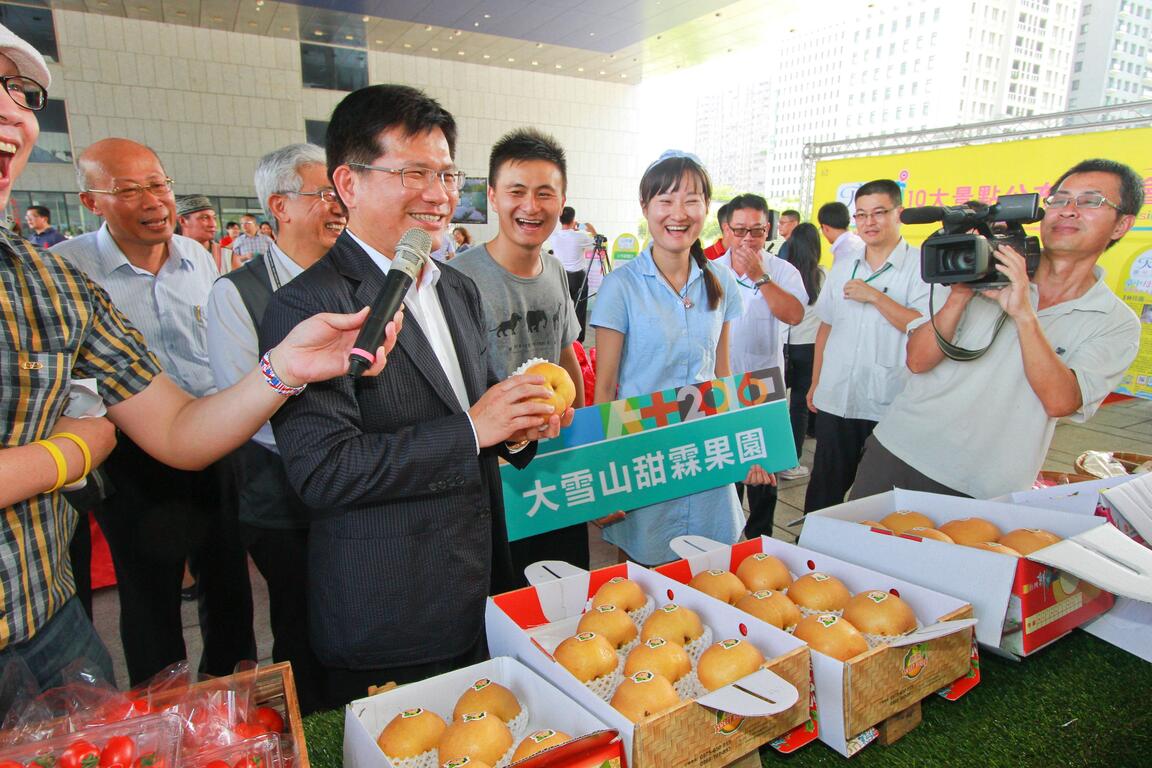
column 61, row 464
column 83, row 446
column 274, row 380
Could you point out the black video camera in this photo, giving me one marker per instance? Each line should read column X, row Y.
column 600, row 240
column 956, row 254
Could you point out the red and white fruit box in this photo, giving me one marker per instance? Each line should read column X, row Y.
column 1023, row 604
column 713, row 730
column 545, row 705
column 853, row 696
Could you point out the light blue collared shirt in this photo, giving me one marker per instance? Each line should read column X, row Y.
column 168, row 308
column 667, row 344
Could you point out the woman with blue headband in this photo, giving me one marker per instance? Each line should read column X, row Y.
column 662, row 321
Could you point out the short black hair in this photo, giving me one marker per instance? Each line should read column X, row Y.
column 882, row 187
column 834, row 215
column 42, row 211
column 568, row 215
column 746, row 200
column 1131, row 183
column 791, row 213
column 724, row 213
column 527, row 144
column 354, row 130
column 231, row 224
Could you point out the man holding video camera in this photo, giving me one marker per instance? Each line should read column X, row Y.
column 982, row 427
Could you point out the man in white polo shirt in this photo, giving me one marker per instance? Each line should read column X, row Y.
column 569, row 244
column 982, row 427
column 775, row 301
column 864, row 308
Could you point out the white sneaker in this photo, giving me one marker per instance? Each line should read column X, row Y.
column 795, row 473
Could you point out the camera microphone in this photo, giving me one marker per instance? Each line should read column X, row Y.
column 411, row 251
column 927, row 215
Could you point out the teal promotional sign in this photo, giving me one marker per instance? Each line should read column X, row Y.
column 638, row 451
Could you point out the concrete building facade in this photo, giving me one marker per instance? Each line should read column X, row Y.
column 211, row 103
column 1113, row 55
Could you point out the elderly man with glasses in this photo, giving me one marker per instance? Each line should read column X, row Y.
column 858, row 366
column 293, row 188
column 982, row 428
column 158, row 517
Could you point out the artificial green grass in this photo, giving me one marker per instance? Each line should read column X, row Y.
column 1080, row 702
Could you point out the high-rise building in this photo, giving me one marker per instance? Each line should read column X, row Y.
column 893, row 69
column 732, row 146
column 1113, row 56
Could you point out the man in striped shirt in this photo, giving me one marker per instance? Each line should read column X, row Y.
column 56, row 327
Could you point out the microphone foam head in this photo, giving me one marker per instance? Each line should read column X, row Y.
column 411, row 251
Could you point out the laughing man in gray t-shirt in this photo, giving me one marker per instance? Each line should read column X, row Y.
column 526, row 302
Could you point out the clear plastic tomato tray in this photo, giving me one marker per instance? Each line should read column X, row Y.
column 257, row 752
column 151, row 740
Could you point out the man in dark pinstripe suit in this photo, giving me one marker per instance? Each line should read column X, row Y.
column 400, row 471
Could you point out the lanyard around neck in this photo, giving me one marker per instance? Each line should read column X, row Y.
column 875, row 275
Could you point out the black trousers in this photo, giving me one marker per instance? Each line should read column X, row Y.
column 157, row 518
column 761, row 509
column 881, row 471
column 345, row 685
column 578, row 290
column 839, row 445
column 569, row 544
column 798, row 377
column 281, row 555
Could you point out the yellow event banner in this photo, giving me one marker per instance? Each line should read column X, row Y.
column 985, row 171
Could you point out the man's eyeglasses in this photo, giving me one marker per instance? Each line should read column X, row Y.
column 740, row 232
column 1082, row 200
column 877, row 214
column 133, row 192
column 25, row 91
column 420, row 178
column 327, row 195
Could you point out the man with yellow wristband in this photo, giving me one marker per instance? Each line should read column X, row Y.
column 57, row 326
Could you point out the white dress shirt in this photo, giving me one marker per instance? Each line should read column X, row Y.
column 864, row 357
column 847, row 247
column 756, row 338
column 423, row 306
column 233, row 345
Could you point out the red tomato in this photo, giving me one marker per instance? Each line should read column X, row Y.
column 80, row 754
column 150, row 760
column 249, row 761
column 10, row 764
column 270, row 718
column 120, row 751
column 217, row 764
column 249, row 730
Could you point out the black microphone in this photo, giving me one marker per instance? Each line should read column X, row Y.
column 925, row 215
column 411, row 251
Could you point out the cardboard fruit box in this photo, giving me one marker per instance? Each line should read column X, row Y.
column 1023, row 604
column 713, row 730
column 545, row 707
column 855, row 695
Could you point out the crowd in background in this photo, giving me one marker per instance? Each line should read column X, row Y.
column 372, row 506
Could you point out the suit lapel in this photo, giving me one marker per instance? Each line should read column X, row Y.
column 357, row 266
column 455, row 304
